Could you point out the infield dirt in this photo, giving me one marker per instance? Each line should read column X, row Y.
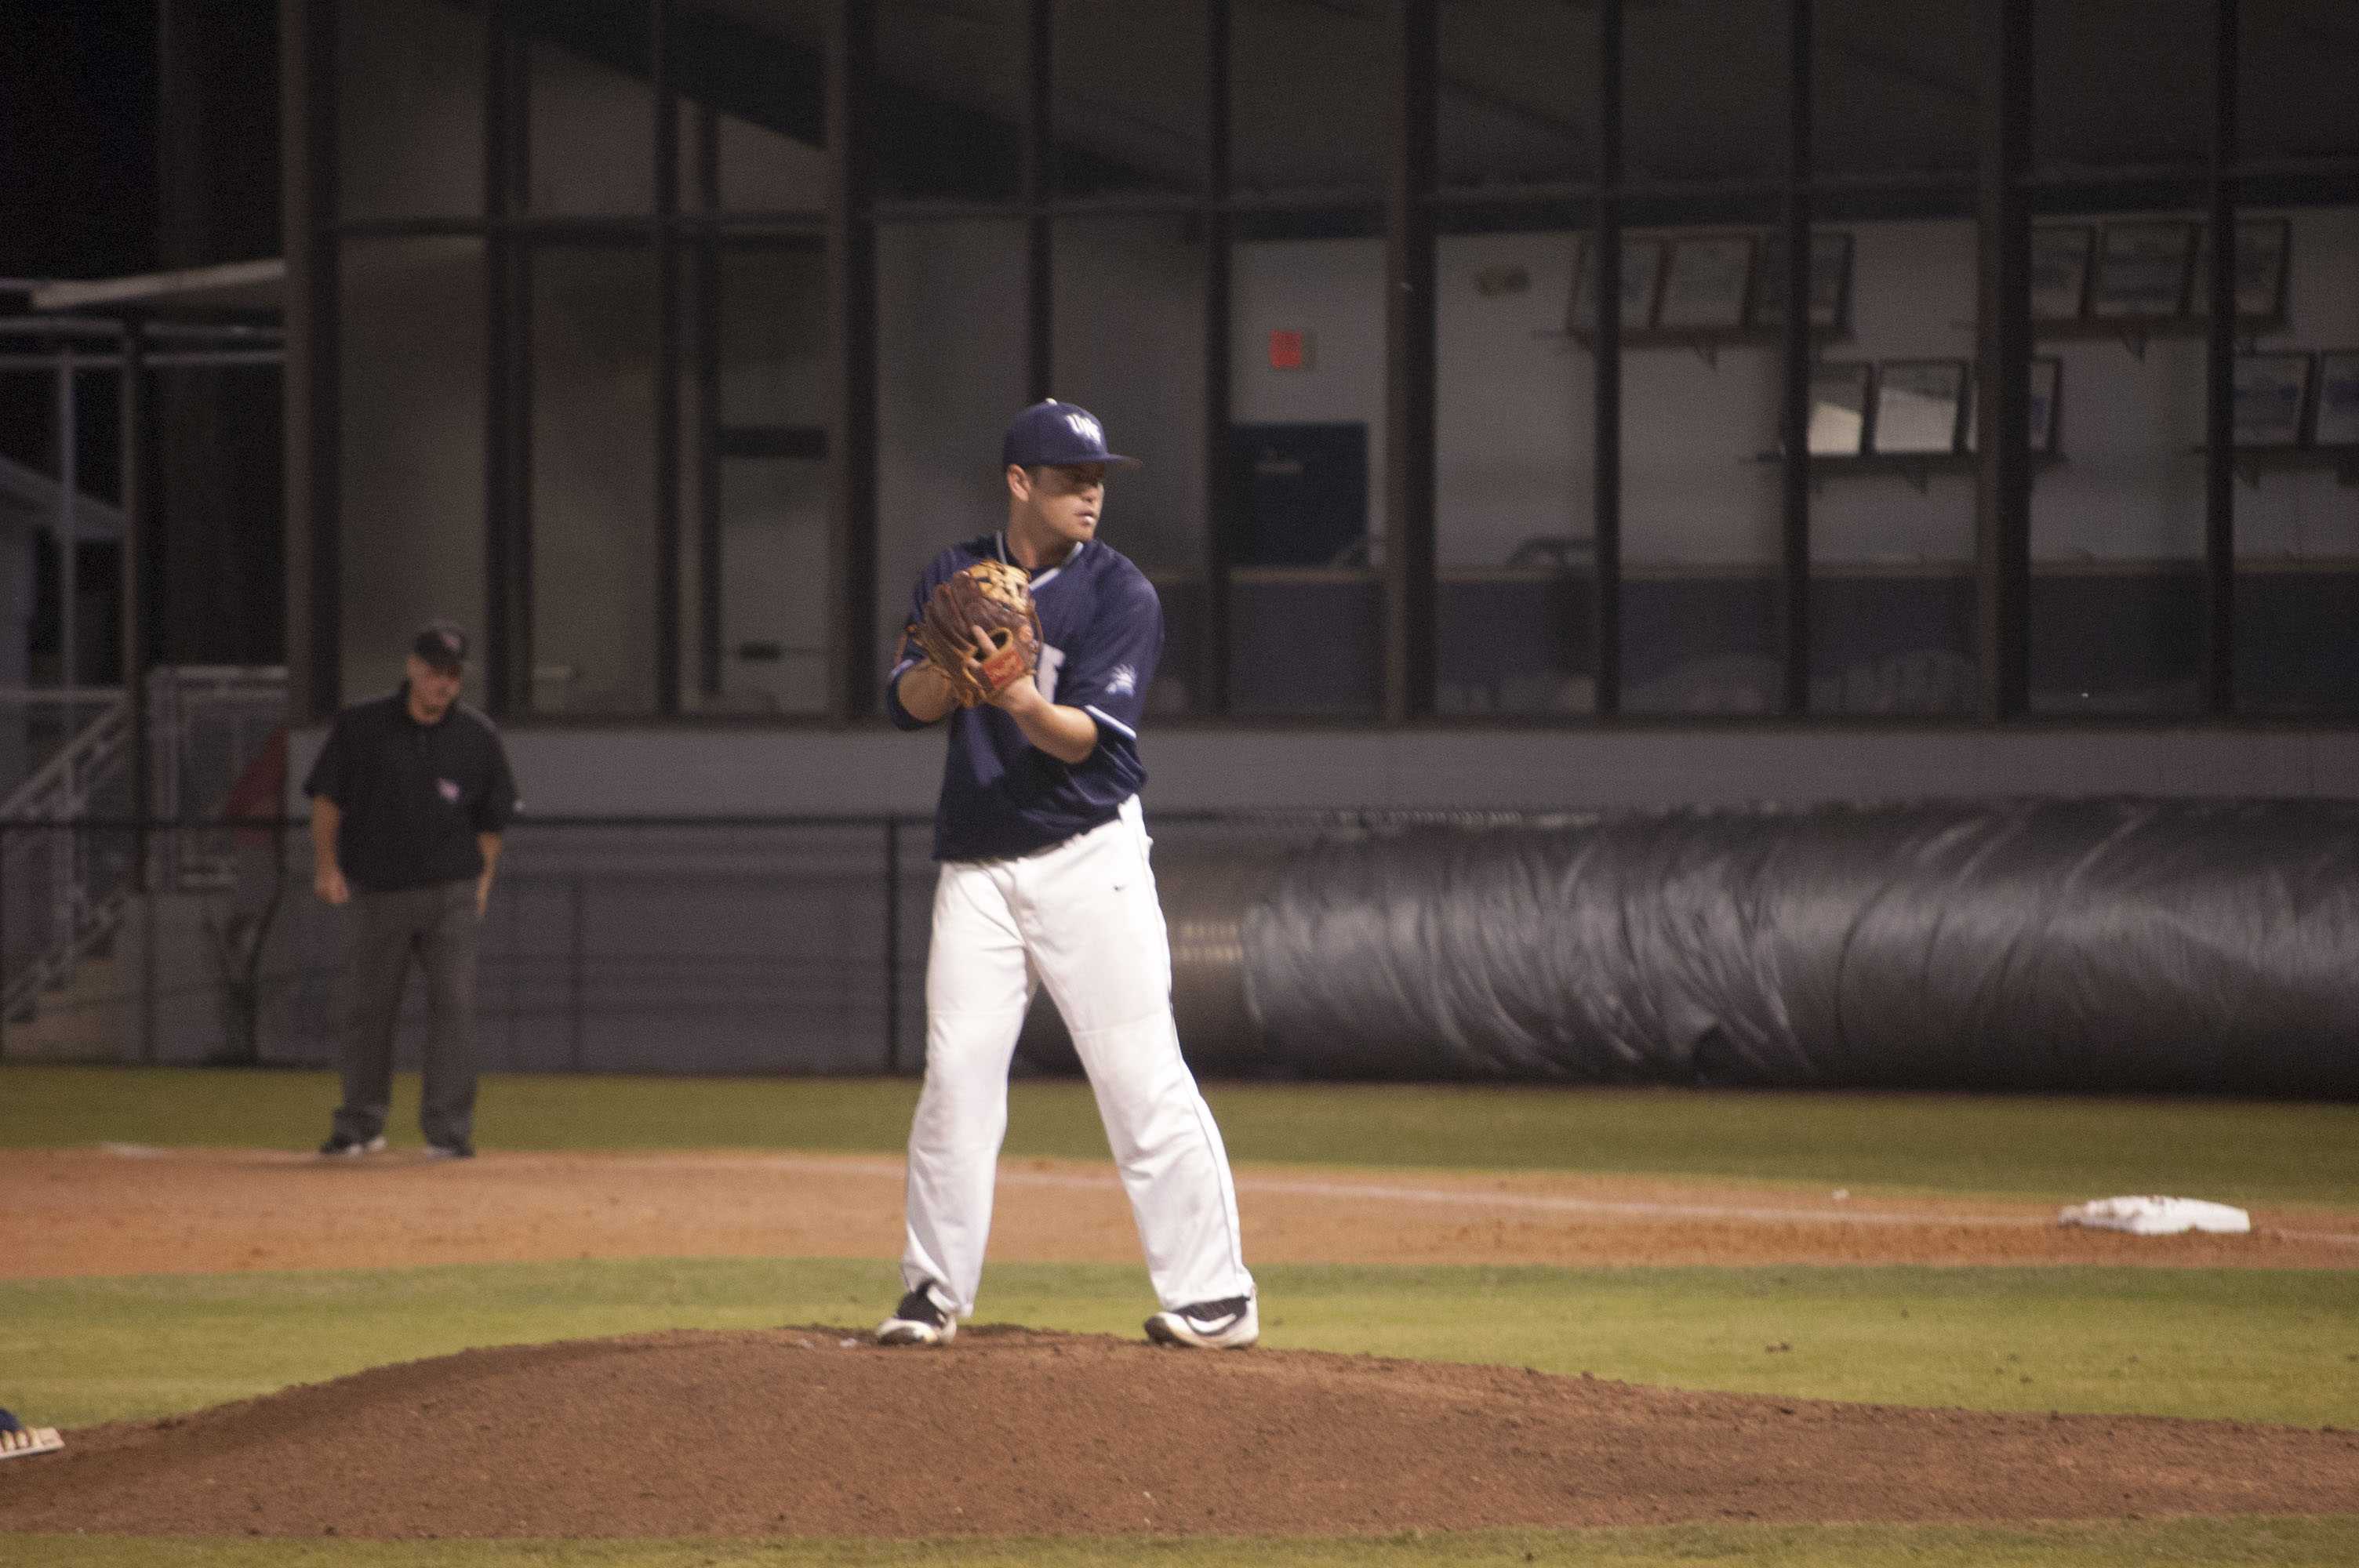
column 814, row 1431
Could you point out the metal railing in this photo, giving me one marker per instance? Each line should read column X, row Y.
column 740, row 945
column 62, row 893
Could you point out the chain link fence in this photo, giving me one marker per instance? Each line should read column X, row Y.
column 771, row 944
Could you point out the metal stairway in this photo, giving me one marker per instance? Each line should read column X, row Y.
column 65, row 886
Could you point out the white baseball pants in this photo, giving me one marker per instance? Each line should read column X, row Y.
column 1082, row 918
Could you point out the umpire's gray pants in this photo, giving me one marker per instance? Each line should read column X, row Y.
column 440, row 925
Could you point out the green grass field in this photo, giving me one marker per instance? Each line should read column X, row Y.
column 2278, row 1346
column 2232, row 1150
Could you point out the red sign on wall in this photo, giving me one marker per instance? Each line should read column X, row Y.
column 1289, row 351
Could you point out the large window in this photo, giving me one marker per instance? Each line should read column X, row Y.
column 671, row 395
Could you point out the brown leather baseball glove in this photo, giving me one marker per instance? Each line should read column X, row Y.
column 998, row 598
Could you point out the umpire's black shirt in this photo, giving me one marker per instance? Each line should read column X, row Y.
column 413, row 796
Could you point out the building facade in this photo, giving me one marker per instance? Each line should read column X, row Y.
column 1542, row 403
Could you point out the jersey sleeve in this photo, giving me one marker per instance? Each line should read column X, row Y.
column 1107, row 676
column 906, row 656
column 331, row 769
column 499, row 803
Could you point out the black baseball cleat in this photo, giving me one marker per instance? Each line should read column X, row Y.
column 1230, row 1324
column 918, row 1320
column 343, row 1146
column 463, row 1150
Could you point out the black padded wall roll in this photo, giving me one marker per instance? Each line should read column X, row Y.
column 2108, row 944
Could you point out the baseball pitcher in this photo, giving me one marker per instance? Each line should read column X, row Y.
column 1037, row 643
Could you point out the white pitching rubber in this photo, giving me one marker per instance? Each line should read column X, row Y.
column 28, row 1440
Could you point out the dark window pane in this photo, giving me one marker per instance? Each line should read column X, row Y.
column 1305, row 641
column 950, row 375
column 773, row 334
column 594, row 479
column 1518, row 93
column 1305, row 513
column 755, row 639
column 1701, row 516
column 410, row 448
column 1311, row 97
column 2118, row 524
column 1892, row 532
column 1129, row 96
column 409, row 109
column 1129, row 347
column 2297, row 508
column 953, row 84
column 2298, row 60
column 1515, row 526
column 592, row 133
column 761, row 69
column 1896, row 88
column 1704, row 85
column 2121, row 81
column 774, row 587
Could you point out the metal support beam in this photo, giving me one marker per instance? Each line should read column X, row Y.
column 2003, row 366
column 1605, row 247
column 2220, row 380
column 499, row 416
column 311, row 389
column 708, row 408
column 1794, row 601
column 1220, row 483
column 668, row 346
column 136, row 592
column 1039, row 183
column 69, row 532
column 1410, row 362
column 851, row 290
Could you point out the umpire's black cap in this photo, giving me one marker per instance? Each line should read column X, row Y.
column 1053, row 435
column 441, row 645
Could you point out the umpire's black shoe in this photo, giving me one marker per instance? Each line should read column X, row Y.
column 918, row 1320
column 343, row 1146
column 1230, row 1324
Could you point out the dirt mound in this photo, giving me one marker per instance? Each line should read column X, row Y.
column 814, row 1432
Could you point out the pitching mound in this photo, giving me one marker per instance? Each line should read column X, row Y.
column 813, row 1432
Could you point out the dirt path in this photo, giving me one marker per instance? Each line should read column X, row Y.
column 814, row 1431
column 119, row 1211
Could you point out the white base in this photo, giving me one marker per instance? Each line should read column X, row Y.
column 2157, row 1216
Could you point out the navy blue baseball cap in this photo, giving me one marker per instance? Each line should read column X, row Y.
column 1053, row 435
column 441, row 645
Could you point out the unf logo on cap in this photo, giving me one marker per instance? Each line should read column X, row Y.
column 1086, row 428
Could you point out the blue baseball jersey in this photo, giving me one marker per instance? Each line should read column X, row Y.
column 1101, row 634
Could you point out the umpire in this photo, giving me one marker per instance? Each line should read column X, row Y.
column 408, row 797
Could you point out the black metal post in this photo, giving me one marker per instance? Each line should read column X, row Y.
column 1410, row 363
column 498, row 379
column 667, row 337
column 892, row 944
column 1219, row 481
column 851, row 436
column 2220, row 380
column 2003, row 366
column 1605, row 244
column 576, row 945
column 1794, row 412
column 5, row 972
column 315, row 577
column 136, row 585
column 707, row 406
column 1038, row 187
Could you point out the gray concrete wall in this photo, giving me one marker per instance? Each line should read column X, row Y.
column 653, row 771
